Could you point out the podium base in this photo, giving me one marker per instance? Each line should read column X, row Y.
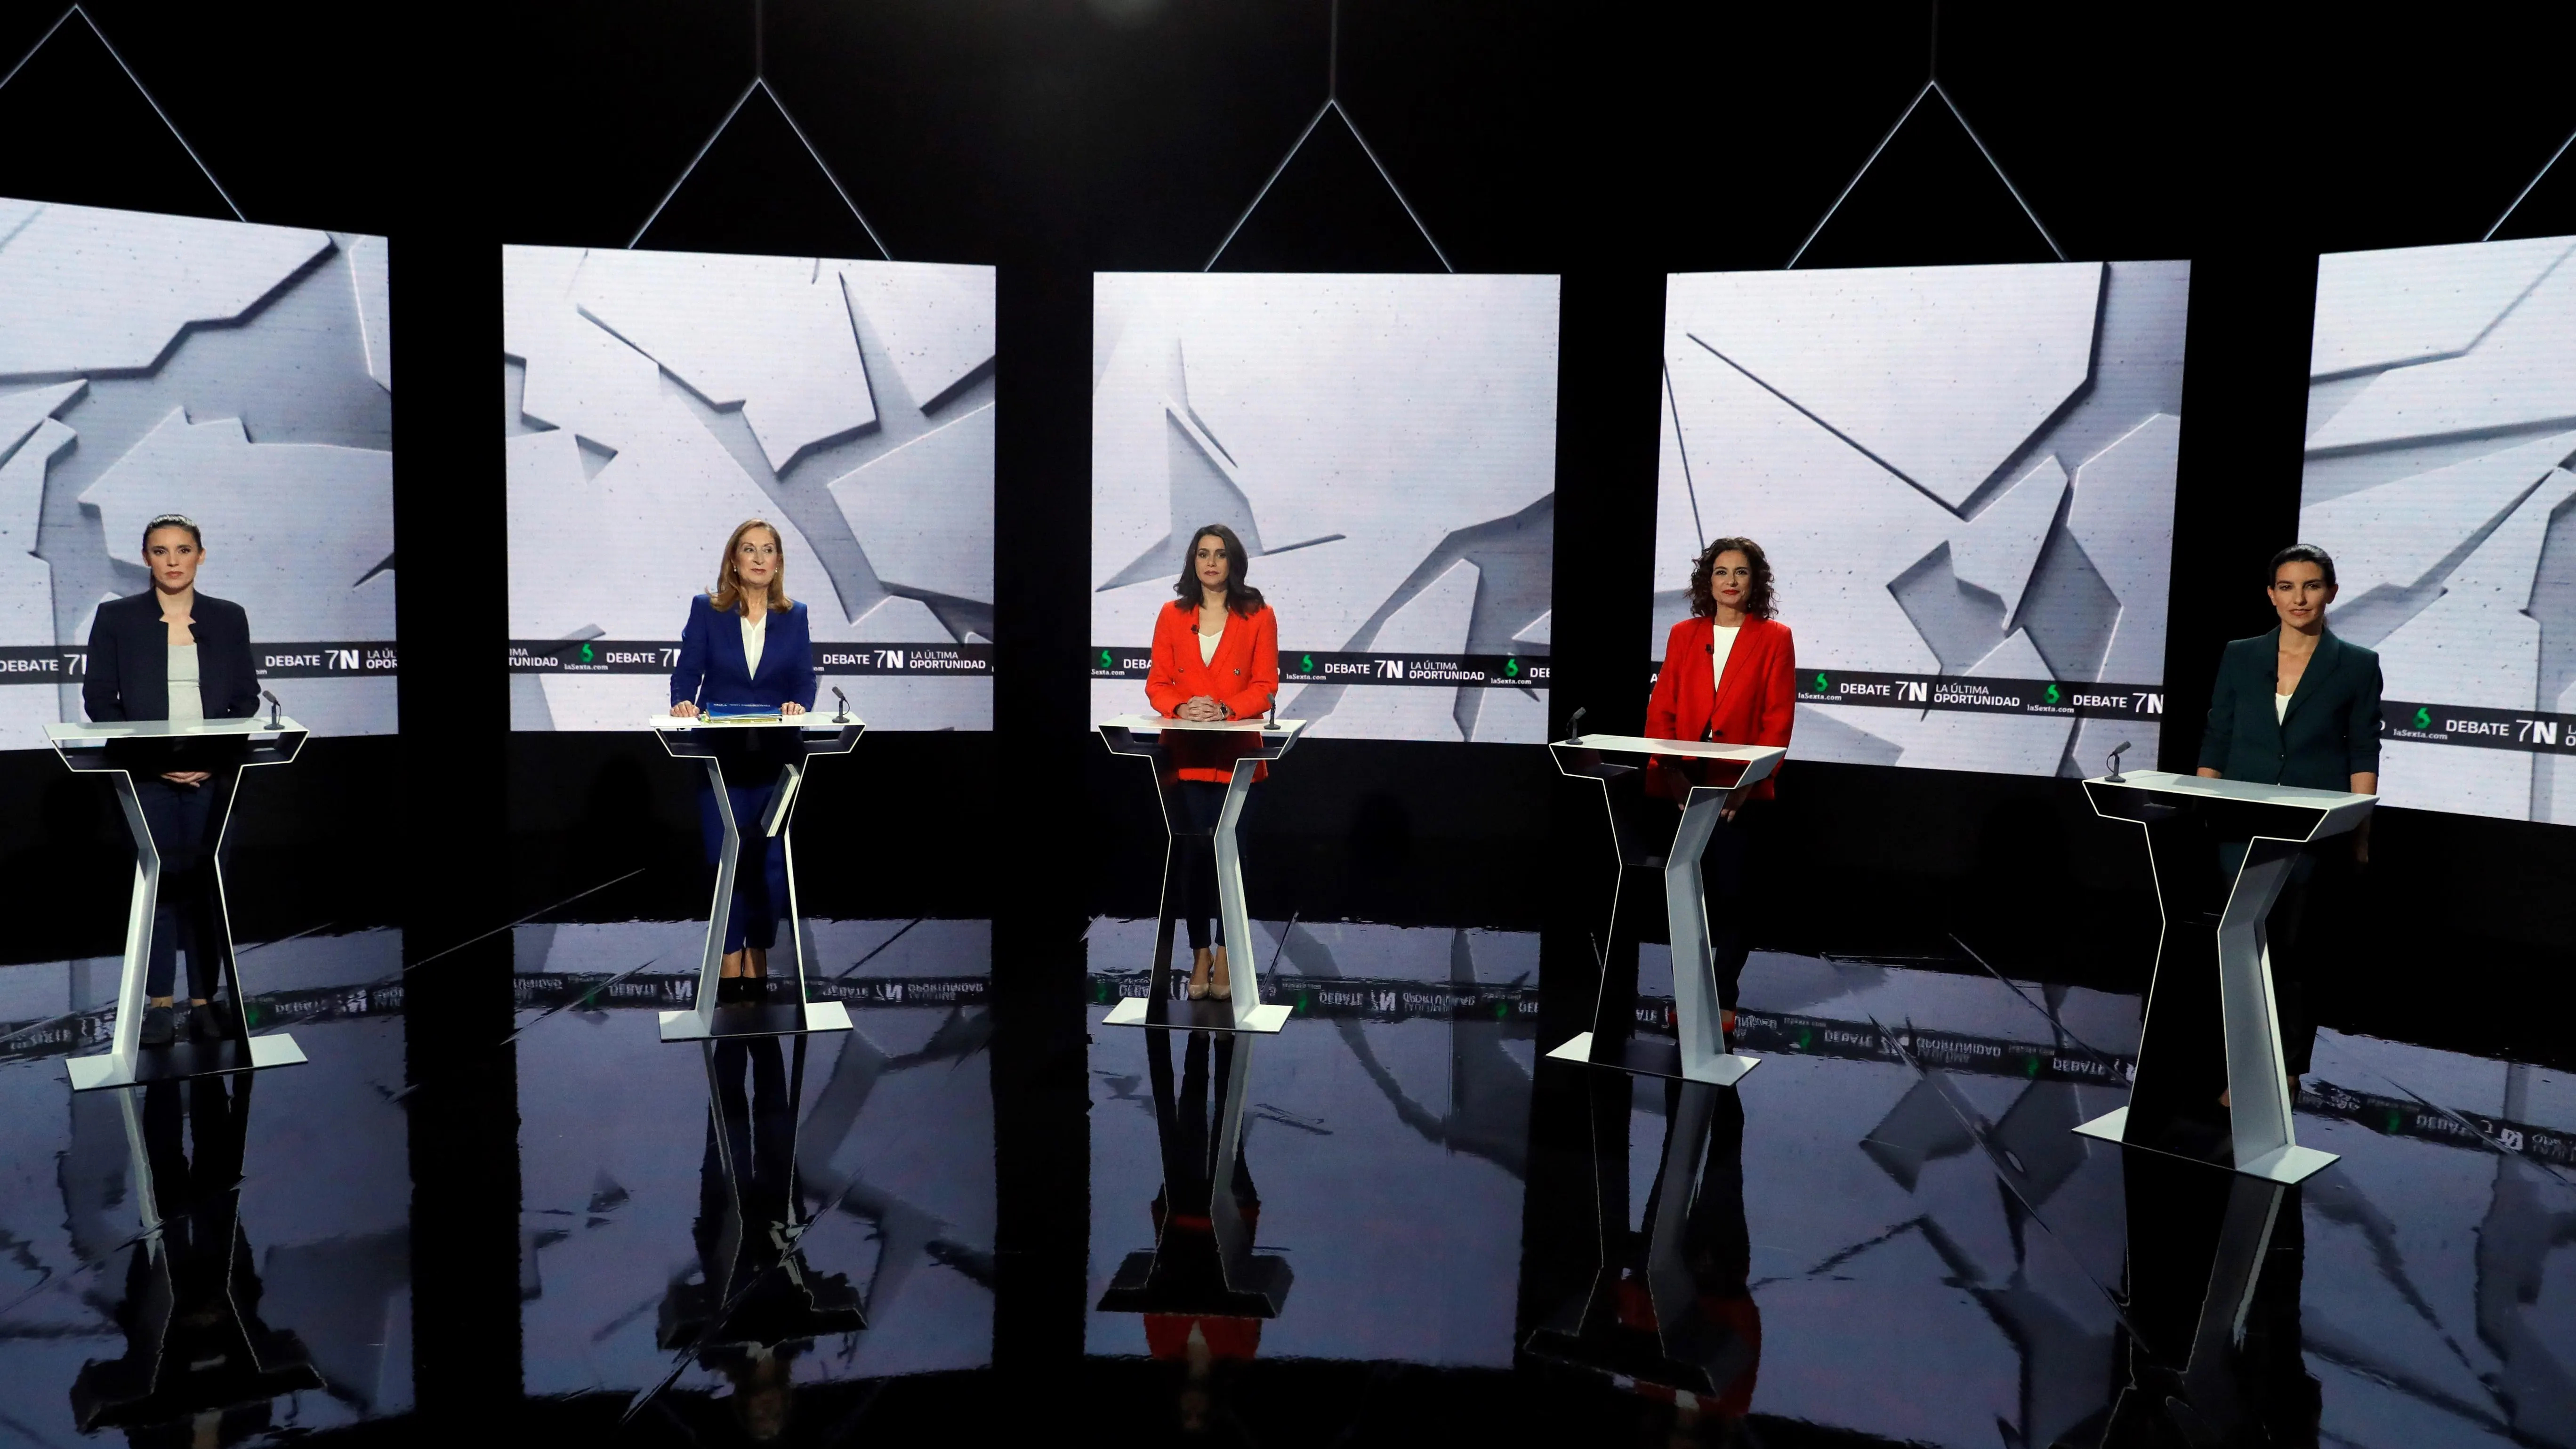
column 2287, row 1165
column 1185, row 1015
column 783, row 1018
column 1133, row 1290
column 1653, row 1057
column 182, row 1060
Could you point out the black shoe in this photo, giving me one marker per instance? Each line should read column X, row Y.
column 160, row 1026
column 729, row 990
column 214, row 1021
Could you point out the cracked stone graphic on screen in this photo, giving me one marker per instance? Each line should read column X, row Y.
column 1383, row 445
column 241, row 375
column 2441, row 439
column 654, row 400
column 1954, row 471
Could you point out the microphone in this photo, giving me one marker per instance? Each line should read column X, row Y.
column 273, row 707
column 844, row 716
column 2114, row 776
column 1576, row 725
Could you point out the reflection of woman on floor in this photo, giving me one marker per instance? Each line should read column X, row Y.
column 195, row 1344
column 174, row 654
column 747, row 643
column 1216, row 657
column 1185, row 1231
column 758, row 1307
column 1729, row 675
column 1717, row 1253
column 2296, row 705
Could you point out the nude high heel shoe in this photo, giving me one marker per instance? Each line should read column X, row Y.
column 1220, row 987
column 1199, row 962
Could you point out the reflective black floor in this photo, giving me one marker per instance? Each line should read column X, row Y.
column 1393, row 1219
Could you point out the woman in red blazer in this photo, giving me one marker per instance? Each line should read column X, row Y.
column 1216, row 656
column 1730, row 674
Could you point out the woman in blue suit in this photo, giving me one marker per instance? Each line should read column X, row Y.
column 747, row 643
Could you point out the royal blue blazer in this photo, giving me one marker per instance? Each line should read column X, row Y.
column 711, row 663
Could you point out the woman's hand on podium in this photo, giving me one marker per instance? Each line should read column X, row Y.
column 1201, row 709
column 685, row 709
column 189, row 778
column 790, row 710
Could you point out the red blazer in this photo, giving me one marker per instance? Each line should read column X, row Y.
column 1244, row 677
column 1755, row 704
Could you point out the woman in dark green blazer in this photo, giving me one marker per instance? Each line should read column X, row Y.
column 2295, row 706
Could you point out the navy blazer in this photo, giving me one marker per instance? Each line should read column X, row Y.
column 711, row 661
column 129, row 660
column 2329, row 735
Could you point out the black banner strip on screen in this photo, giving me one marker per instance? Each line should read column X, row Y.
column 69, row 663
column 1298, row 666
column 2477, row 726
column 2055, row 697
column 661, row 656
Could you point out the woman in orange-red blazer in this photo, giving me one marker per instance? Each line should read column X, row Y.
column 1748, row 698
column 1216, row 656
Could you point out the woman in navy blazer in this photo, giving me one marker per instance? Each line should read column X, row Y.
column 747, row 643
column 172, row 653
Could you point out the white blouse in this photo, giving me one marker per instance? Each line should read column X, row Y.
column 187, row 704
column 2280, row 708
column 1721, row 643
column 755, row 632
column 1207, row 646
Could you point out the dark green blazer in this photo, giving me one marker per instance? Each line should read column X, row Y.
column 2330, row 734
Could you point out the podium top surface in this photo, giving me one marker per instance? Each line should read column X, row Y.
column 819, row 721
column 164, row 729
column 1145, row 724
column 2241, row 791
column 1693, row 749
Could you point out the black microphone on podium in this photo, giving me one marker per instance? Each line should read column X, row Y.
column 1575, row 726
column 272, row 709
column 844, row 716
column 2114, row 777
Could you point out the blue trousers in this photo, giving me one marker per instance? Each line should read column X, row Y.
column 189, row 918
column 760, row 875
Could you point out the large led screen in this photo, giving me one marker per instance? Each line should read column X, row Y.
column 1385, row 447
column 1963, row 478
column 241, row 375
column 654, row 400
column 2441, row 438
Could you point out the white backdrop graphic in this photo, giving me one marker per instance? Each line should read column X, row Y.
column 2441, row 439
column 654, row 400
column 1385, row 446
column 242, row 375
column 1963, row 478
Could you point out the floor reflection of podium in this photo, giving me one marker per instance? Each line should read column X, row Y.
column 1719, row 775
column 2212, row 989
column 1250, row 742
column 756, row 1303
column 2211, row 1320
column 754, row 748
column 223, row 748
column 196, row 1347
column 1202, row 1265
column 1669, row 1303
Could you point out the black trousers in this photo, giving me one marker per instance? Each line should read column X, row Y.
column 1201, row 801
column 190, row 915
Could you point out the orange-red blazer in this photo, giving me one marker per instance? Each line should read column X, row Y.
column 1755, row 704
column 1244, row 677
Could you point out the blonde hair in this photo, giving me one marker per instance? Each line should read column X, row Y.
column 727, row 594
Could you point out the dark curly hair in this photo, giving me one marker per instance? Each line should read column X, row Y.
column 1757, row 599
column 1240, row 597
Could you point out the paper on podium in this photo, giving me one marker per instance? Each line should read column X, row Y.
column 1154, row 723
column 812, row 719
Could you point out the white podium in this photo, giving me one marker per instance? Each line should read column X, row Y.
column 2188, row 822
column 1719, row 774
column 1149, row 736
column 1201, row 1267
column 797, row 738
column 222, row 748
